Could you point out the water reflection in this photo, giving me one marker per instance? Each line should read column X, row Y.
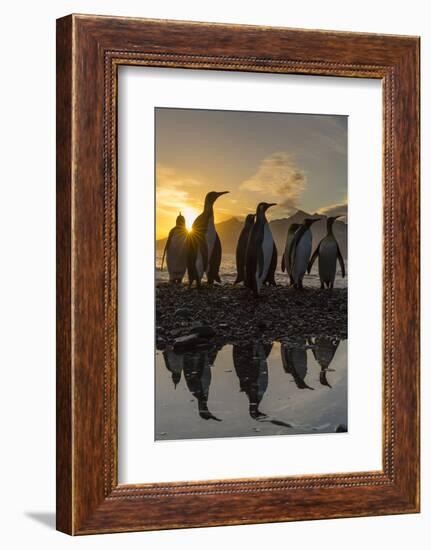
column 324, row 349
column 197, row 373
column 174, row 363
column 248, row 381
column 294, row 358
column 251, row 368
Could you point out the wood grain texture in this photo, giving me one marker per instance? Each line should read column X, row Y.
column 90, row 49
column 64, row 497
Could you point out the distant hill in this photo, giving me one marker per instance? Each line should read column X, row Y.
column 279, row 230
column 229, row 231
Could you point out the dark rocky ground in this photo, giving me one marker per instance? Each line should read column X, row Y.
column 218, row 315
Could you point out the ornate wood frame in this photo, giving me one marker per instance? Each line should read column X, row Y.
column 89, row 51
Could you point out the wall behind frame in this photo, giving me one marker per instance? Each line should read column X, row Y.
column 27, row 279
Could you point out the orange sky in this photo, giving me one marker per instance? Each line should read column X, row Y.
column 297, row 161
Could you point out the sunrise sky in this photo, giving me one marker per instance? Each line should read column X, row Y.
column 298, row 161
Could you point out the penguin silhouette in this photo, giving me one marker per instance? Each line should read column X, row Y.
column 197, row 373
column 250, row 362
column 324, row 348
column 204, row 247
column 328, row 252
column 242, row 246
column 261, row 252
column 251, row 367
column 300, row 251
column 286, row 259
column 176, row 251
column 294, row 359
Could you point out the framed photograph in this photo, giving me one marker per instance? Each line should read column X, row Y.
column 237, row 274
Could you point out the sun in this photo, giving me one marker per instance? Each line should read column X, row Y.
column 190, row 215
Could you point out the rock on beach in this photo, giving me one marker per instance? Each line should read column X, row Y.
column 226, row 314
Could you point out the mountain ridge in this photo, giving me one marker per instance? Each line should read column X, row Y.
column 229, row 230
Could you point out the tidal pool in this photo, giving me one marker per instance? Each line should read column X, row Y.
column 252, row 389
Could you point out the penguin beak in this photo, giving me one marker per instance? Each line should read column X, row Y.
column 270, row 204
column 222, row 193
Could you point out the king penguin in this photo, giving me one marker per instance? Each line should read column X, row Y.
column 176, row 251
column 300, row 251
column 285, row 260
column 204, row 248
column 241, row 247
column 261, row 252
column 328, row 252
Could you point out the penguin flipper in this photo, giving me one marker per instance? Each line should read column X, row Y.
column 240, row 257
column 283, row 264
column 261, row 261
column 191, row 260
column 214, row 262
column 313, row 258
column 203, row 247
column 239, row 270
column 340, row 259
column 164, row 253
column 197, row 235
column 272, row 266
column 168, row 242
column 295, row 241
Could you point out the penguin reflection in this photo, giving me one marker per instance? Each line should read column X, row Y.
column 324, row 348
column 197, row 373
column 174, row 363
column 250, row 362
column 251, row 367
column 294, row 359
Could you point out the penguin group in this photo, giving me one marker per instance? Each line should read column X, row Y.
column 250, row 365
column 199, row 250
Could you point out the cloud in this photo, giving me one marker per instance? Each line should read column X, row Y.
column 173, row 189
column 277, row 179
column 339, row 209
column 168, row 177
column 175, row 192
column 332, row 136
